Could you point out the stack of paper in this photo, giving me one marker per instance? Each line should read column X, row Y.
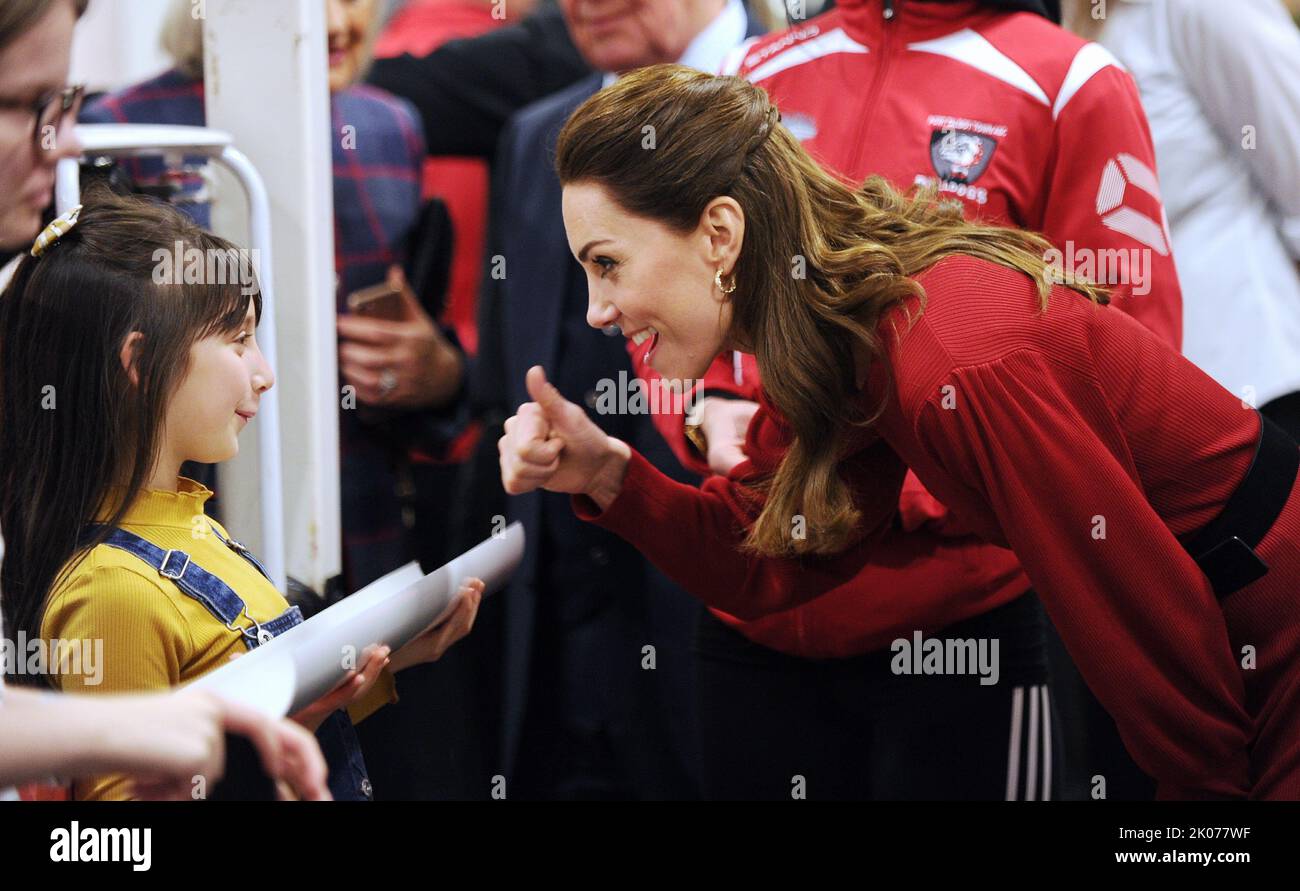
column 300, row 666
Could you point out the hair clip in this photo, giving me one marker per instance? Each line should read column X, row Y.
column 57, row 227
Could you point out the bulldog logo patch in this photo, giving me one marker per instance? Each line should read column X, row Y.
column 960, row 156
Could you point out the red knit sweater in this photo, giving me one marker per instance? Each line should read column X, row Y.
column 1086, row 444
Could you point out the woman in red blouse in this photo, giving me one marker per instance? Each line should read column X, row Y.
column 1156, row 515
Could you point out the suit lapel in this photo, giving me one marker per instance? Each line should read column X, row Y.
column 539, row 278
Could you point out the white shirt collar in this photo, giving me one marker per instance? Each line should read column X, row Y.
column 720, row 36
column 710, row 46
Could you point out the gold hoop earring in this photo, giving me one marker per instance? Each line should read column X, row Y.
column 717, row 280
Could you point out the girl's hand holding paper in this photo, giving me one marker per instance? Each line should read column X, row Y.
column 355, row 685
column 437, row 638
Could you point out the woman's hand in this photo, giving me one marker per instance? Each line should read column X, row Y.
column 551, row 444
column 166, row 742
column 436, row 639
column 404, row 364
column 355, row 685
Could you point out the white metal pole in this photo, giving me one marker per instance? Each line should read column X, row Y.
column 266, row 77
column 268, row 431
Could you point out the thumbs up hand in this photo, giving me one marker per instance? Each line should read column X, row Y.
column 551, row 444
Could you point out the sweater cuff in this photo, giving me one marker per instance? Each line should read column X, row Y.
column 636, row 510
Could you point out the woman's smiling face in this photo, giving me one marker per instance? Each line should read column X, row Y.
column 348, row 24
column 655, row 283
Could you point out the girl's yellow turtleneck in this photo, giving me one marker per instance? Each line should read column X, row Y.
column 154, row 635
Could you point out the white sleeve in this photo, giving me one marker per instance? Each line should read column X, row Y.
column 1242, row 61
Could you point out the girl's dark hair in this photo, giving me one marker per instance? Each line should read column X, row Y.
column 664, row 141
column 73, row 424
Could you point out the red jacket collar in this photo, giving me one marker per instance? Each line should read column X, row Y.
column 912, row 20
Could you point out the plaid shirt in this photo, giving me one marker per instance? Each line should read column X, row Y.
column 377, row 154
column 170, row 98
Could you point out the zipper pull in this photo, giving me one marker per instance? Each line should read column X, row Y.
column 889, row 9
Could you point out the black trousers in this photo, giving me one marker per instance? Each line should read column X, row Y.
column 598, row 726
column 777, row 727
column 438, row 742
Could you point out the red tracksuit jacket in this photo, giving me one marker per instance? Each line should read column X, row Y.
column 1089, row 445
column 1023, row 123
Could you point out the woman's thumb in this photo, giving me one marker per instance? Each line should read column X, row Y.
column 543, row 392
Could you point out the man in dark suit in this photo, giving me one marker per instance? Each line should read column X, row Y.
column 598, row 680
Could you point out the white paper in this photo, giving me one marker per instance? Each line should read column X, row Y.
column 284, row 675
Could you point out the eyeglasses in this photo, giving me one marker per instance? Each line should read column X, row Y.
column 50, row 112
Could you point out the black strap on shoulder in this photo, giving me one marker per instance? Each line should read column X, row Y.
column 1225, row 548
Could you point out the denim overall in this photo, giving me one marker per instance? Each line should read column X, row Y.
column 336, row 735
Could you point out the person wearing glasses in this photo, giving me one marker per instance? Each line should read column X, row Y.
column 35, row 106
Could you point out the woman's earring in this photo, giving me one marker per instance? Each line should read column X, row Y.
column 717, row 280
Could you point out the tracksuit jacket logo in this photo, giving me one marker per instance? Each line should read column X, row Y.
column 960, row 156
column 1120, row 172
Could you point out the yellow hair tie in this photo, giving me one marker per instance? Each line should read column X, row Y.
column 51, row 233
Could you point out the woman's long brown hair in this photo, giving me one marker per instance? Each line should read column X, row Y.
column 822, row 261
column 72, row 422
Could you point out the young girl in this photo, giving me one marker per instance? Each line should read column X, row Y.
column 1156, row 515
column 110, row 377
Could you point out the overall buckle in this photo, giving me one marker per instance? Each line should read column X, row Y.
column 167, row 558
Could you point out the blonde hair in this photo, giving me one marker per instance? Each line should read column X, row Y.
column 181, row 38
